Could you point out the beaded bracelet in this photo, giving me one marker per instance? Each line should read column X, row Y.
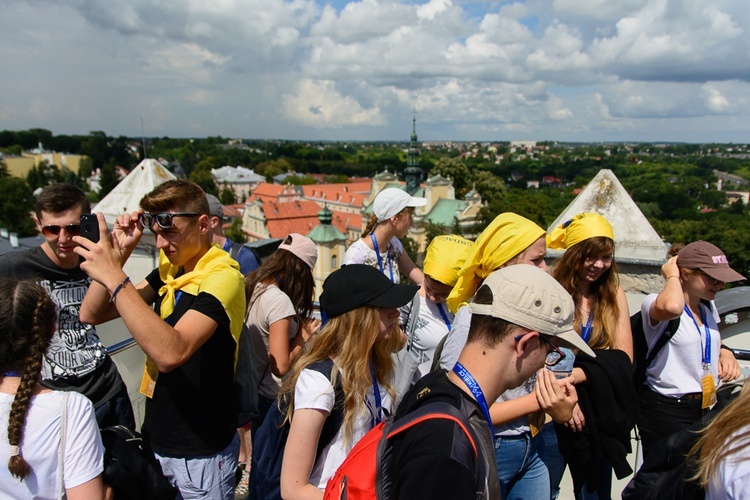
column 118, row 288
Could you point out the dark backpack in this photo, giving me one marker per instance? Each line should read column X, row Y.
column 131, row 468
column 366, row 473
column 270, row 440
column 642, row 358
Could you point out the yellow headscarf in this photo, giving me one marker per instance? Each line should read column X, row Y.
column 507, row 236
column 581, row 227
column 445, row 257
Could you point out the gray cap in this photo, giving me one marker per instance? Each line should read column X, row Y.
column 214, row 206
column 529, row 297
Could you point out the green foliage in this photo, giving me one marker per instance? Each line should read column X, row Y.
column 336, row 179
column 43, row 175
column 305, row 180
column 412, row 249
column 226, row 197
column 235, row 232
column 205, row 180
column 456, row 170
column 16, row 206
column 108, row 179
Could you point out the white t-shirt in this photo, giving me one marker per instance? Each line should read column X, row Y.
column 270, row 306
column 677, row 369
column 452, row 349
column 314, row 391
column 40, row 445
column 429, row 330
column 732, row 478
column 359, row 253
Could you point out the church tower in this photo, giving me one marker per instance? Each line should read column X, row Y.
column 413, row 174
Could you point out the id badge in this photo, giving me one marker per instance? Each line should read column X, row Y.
column 709, row 391
column 148, row 380
column 536, row 422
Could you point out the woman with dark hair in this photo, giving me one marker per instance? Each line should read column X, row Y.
column 681, row 382
column 53, row 442
column 357, row 343
column 379, row 247
column 587, row 270
column 280, row 305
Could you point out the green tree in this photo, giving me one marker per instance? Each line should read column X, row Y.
column 456, row 170
column 108, row 179
column 226, row 197
column 235, row 232
column 16, row 206
column 205, row 180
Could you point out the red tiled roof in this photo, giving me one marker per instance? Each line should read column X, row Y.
column 266, row 192
column 351, row 193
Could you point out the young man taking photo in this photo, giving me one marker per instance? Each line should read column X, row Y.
column 76, row 359
column 190, row 336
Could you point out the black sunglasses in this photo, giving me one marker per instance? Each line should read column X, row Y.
column 163, row 219
column 54, row 230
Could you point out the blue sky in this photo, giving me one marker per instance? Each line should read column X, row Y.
column 569, row 70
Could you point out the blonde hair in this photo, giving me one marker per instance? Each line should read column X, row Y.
column 373, row 222
column 604, row 307
column 718, row 442
column 350, row 339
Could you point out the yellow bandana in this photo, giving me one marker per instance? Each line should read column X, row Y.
column 507, row 236
column 581, row 227
column 445, row 257
column 217, row 274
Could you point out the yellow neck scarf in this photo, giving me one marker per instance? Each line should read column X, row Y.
column 507, row 236
column 581, row 227
column 216, row 273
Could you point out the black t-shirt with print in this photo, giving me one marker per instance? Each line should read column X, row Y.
column 76, row 359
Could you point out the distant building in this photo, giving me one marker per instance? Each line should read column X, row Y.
column 19, row 166
column 240, row 180
column 331, row 245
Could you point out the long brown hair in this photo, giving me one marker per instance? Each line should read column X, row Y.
column 604, row 290
column 718, row 441
column 350, row 339
column 27, row 317
column 291, row 275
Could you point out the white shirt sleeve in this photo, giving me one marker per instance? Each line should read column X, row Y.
column 313, row 391
column 84, row 452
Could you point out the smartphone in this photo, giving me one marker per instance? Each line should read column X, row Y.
column 90, row 227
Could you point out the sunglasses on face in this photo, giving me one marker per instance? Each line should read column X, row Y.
column 164, row 219
column 54, row 230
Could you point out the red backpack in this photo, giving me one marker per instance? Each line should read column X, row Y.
column 365, row 473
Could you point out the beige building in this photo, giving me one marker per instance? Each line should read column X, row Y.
column 19, row 166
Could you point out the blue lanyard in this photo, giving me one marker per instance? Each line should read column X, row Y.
column 473, row 386
column 380, row 259
column 444, row 315
column 377, row 415
column 706, row 359
column 586, row 330
column 174, row 308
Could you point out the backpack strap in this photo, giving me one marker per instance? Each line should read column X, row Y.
column 431, row 411
column 666, row 336
column 333, row 423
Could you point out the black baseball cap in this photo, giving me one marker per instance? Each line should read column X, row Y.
column 357, row 285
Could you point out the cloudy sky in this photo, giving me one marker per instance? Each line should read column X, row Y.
column 569, row 70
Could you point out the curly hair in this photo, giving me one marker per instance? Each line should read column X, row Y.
column 604, row 307
column 27, row 317
column 291, row 275
column 350, row 339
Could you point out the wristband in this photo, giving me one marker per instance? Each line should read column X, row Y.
column 674, row 276
column 727, row 348
column 118, row 288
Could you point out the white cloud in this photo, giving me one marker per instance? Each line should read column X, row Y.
column 583, row 69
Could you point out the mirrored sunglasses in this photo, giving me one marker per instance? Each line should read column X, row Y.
column 164, row 219
column 54, row 230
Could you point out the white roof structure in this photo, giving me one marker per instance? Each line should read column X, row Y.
column 635, row 238
column 236, row 175
column 126, row 196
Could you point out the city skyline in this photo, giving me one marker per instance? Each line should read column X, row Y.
column 561, row 70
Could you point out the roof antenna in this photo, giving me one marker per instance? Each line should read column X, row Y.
column 143, row 134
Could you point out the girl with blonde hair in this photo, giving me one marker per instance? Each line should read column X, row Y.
column 724, row 451
column 356, row 343
column 379, row 247
column 52, row 444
